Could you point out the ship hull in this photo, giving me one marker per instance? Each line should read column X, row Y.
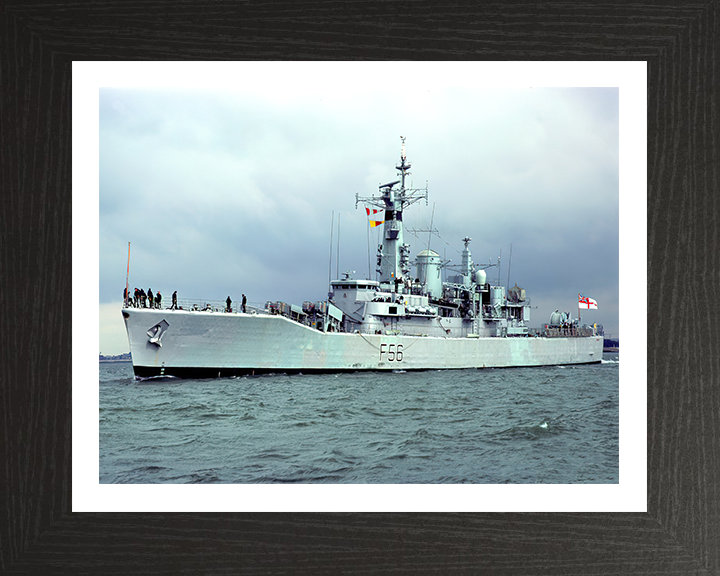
column 193, row 344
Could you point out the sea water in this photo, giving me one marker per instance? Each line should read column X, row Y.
column 554, row 425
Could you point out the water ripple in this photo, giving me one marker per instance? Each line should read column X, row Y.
column 530, row 425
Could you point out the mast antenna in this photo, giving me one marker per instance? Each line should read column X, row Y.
column 432, row 218
column 127, row 279
column 499, row 268
column 507, row 288
column 337, row 265
column 332, row 226
column 369, row 276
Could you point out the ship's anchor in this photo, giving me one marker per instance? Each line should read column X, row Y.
column 156, row 332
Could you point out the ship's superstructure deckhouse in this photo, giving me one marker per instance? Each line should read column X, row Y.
column 422, row 304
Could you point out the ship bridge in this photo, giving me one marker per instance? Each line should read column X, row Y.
column 353, row 290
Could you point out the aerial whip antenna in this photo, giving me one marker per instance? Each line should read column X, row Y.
column 127, row 278
column 499, row 267
column 332, row 226
column 369, row 276
column 432, row 218
column 507, row 288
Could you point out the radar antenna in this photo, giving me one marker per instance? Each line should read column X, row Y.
column 392, row 201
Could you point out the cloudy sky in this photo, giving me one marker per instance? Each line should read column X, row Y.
column 230, row 191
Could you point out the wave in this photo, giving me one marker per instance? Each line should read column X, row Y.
column 152, row 379
column 546, row 427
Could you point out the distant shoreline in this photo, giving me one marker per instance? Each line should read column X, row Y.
column 116, row 357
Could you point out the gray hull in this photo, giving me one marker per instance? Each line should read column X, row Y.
column 211, row 344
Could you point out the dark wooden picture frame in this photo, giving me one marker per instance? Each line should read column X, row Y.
column 681, row 530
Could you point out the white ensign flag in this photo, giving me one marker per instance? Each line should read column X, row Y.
column 586, row 303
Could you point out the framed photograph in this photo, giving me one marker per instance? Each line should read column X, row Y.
column 223, row 183
column 56, row 523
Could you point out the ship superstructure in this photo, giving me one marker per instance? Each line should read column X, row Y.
column 400, row 320
column 421, row 303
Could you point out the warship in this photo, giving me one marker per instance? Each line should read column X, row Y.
column 398, row 321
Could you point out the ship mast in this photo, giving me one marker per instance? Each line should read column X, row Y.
column 393, row 256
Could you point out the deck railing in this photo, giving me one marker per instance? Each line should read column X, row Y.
column 563, row 331
column 200, row 304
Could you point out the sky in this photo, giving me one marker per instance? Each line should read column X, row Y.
column 229, row 190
